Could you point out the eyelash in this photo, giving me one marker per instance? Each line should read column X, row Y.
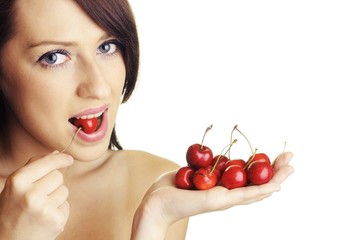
column 117, row 47
column 67, row 54
column 51, row 66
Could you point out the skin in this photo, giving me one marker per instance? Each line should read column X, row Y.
column 88, row 192
column 82, row 79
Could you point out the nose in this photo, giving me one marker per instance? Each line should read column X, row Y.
column 92, row 82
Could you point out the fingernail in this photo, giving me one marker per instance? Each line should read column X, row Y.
column 70, row 158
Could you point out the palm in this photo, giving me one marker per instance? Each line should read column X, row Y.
column 175, row 204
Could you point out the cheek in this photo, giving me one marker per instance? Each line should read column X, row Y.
column 118, row 76
column 33, row 98
column 29, row 98
column 35, row 107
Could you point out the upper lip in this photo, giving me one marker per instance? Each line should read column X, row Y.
column 91, row 111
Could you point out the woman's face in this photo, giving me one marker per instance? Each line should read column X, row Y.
column 59, row 66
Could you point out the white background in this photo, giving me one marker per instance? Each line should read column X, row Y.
column 273, row 68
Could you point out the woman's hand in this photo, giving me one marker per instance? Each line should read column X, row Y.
column 165, row 204
column 33, row 203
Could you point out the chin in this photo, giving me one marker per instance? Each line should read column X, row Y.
column 89, row 153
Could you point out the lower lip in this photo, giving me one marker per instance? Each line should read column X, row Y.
column 99, row 134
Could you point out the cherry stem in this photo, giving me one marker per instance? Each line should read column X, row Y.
column 275, row 160
column 221, row 155
column 235, row 128
column 208, row 128
column 230, row 146
column 72, row 140
column 284, row 147
column 231, row 138
column 251, row 158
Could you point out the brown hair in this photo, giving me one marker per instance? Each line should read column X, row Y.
column 113, row 16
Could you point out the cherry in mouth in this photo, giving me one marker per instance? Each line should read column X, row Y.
column 88, row 125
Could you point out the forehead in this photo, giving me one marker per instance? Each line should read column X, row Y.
column 40, row 19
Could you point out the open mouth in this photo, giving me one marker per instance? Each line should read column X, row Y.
column 89, row 123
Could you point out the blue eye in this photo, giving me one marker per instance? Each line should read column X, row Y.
column 54, row 58
column 51, row 58
column 108, row 47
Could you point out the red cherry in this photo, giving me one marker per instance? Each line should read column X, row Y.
column 204, row 179
column 87, row 125
column 221, row 162
column 259, row 157
column 239, row 162
column 215, row 171
column 199, row 156
column 184, row 178
column 255, row 156
column 259, row 172
column 234, row 177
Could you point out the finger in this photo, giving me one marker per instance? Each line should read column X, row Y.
column 242, row 196
column 281, row 174
column 258, row 199
column 218, row 198
column 283, row 159
column 36, row 169
column 60, row 217
column 50, row 182
column 59, row 196
column 32, row 159
column 276, row 186
column 64, row 209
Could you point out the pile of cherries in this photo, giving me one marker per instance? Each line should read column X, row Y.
column 204, row 170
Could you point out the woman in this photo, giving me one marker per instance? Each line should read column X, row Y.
column 66, row 66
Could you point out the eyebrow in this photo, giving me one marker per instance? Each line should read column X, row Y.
column 62, row 43
column 48, row 42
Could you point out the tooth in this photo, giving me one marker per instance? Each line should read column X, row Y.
column 90, row 116
column 98, row 114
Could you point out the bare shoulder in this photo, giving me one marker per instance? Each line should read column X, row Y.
column 152, row 159
column 141, row 166
column 145, row 161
